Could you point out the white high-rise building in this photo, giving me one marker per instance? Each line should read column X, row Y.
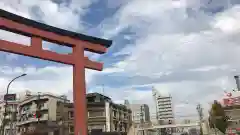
column 164, row 108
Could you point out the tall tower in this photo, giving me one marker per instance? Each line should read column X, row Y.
column 164, row 108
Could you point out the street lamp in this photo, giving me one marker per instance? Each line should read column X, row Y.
column 6, row 101
column 14, row 80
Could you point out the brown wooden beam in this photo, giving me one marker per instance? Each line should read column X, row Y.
column 36, row 43
column 16, row 48
column 93, row 65
column 34, row 51
column 49, row 36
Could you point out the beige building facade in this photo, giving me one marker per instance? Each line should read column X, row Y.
column 105, row 115
column 11, row 116
column 233, row 112
column 27, row 109
column 57, row 115
column 140, row 113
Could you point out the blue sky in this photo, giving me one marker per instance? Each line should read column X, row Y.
column 188, row 48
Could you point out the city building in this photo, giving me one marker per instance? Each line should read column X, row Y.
column 65, row 118
column 39, row 112
column 54, row 115
column 231, row 104
column 153, row 119
column 140, row 113
column 164, row 108
column 107, row 116
column 10, row 118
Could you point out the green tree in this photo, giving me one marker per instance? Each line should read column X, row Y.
column 217, row 117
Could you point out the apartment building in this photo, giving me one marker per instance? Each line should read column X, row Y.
column 65, row 118
column 57, row 115
column 233, row 112
column 140, row 113
column 231, row 104
column 48, row 121
column 105, row 115
column 10, row 117
column 102, row 114
column 164, row 108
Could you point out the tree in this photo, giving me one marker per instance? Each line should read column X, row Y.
column 217, row 117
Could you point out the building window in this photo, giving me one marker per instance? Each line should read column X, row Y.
column 125, row 116
column 41, row 105
column 26, row 108
column 71, row 129
column 97, row 99
column 71, row 114
column 114, row 114
column 115, row 126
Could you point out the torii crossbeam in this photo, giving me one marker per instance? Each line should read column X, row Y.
column 79, row 42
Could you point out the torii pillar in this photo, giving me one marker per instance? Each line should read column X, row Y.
column 79, row 42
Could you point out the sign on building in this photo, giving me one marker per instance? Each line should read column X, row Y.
column 10, row 97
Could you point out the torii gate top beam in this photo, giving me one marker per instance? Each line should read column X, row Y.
column 27, row 27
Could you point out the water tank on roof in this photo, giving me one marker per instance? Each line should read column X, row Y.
column 28, row 93
column 63, row 96
column 127, row 104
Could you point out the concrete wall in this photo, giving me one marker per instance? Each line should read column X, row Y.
column 52, row 106
column 234, row 121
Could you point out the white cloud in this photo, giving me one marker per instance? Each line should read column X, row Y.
column 228, row 22
column 14, row 7
column 206, row 48
column 65, row 15
column 54, row 79
column 191, row 57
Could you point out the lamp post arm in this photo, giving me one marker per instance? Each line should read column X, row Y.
column 13, row 80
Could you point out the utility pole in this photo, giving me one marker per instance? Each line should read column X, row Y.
column 200, row 114
column 38, row 107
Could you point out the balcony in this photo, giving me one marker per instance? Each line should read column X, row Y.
column 11, row 109
column 126, row 118
column 234, row 118
column 96, row 114
column 25, row 120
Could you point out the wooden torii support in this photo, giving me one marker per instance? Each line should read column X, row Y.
column 78, row 42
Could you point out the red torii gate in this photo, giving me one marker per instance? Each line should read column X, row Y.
column 79, row 42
